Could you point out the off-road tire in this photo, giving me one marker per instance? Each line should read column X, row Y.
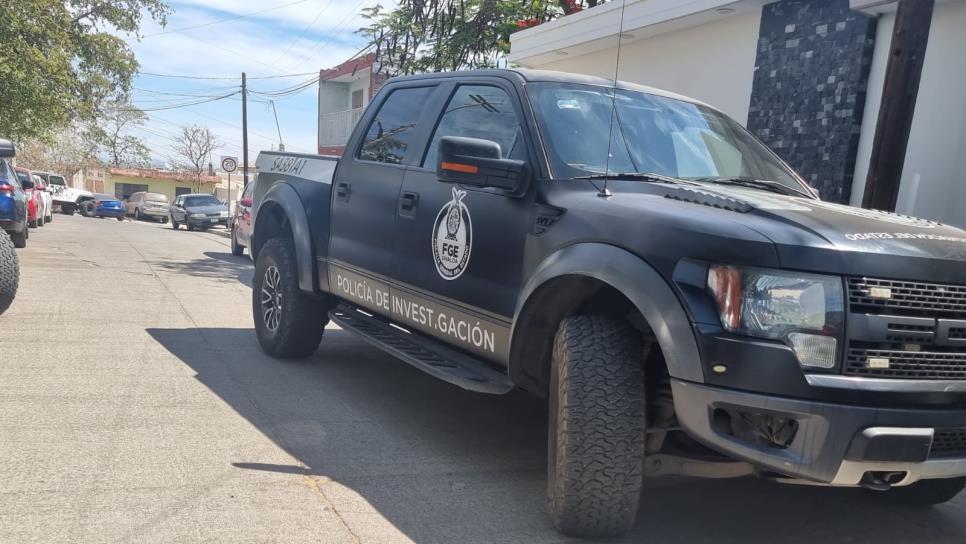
column 596, row 427
column 9, row 272
column 301, row 317
column 20, row 238
column 926, row 492
column 68, row 209
column 87, row 209
column 236, row 249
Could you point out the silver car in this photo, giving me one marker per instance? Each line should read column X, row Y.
column 198, row 211
column 145, row 205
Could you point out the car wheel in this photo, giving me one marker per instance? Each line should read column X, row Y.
column 236, row 249
column 50, row 218
column 20, row 238
column 40, row 221
column 189, row 226
column 174, row 224
column 120, row 219
column 596, row 427
column 32, row 224
column 87, row 209
column 164, row 220
column 67, row 209
column 288, row 322
column 926, row 492
column 9, row 271
column 137, row 214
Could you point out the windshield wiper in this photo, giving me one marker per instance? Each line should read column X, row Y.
column 765, row 185
column 638, row 176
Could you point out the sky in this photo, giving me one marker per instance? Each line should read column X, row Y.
column 222, row 39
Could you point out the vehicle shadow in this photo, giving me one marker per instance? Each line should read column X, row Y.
column 445, row 465
column 213, row 265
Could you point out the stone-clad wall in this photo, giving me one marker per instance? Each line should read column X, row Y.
column 809, row 88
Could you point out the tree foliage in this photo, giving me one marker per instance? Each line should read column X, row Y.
column 65, row 153
column 111, row 138
column 440, row 35
column 194, row 146
column 65, row 60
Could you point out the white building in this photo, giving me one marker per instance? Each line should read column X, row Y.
column 344, row 92
column 805, row 76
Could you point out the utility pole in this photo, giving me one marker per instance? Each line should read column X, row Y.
column 244, row 130
column 910, row 35
column 281, row 146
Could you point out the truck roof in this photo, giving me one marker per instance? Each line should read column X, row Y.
column 527, row 75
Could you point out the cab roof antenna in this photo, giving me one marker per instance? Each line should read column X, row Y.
column 604, row 191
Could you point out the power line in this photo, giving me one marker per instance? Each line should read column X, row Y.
column 195, row 103
column 234, row 18
column 304, row 30
column 345, row 22
column 179, row 76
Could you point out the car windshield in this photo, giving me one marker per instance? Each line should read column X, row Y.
column 650, row 133
column 205, row 200
column 22, row 176
column 57, row 180
column 156, row 197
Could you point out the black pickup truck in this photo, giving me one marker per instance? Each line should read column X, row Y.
column 682, row 298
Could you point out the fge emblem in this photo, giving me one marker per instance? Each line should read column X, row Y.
column 453, row 237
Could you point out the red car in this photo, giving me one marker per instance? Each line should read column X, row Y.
column 36, row 210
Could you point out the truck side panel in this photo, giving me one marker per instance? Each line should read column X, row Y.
column 291, row 197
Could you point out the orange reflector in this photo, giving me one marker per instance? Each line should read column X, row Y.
column 458, row 167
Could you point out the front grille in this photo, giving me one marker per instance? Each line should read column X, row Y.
column 908, row 298
column 948, row 443
column 921, row 365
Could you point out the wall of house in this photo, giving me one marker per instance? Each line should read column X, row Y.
column 163, row 186
column 333, row 97
column 361, row 83
column 932, row 176
column 808, row 97
column 713, row 62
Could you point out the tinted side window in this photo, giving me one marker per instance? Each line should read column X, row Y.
column 393, row 126
column 479, row 111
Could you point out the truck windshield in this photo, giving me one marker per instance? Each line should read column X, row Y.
column 57, row 180
column 650, row 133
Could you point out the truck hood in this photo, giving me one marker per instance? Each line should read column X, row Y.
column 826, row 237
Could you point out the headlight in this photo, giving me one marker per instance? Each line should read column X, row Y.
column 224, row 214
column 806, row 311
column 197, row 215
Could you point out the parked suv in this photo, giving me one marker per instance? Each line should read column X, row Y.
column 682, row 298
column 145, row 205
column 13, row 198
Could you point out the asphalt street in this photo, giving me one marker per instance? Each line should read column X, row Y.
column 136, row 406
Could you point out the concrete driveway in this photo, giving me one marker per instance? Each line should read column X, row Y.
column 136, row 406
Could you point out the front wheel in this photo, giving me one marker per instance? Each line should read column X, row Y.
column 137, row 214
column 927, row 492
column 288, row 322
column 174, row 224
column 596, row 427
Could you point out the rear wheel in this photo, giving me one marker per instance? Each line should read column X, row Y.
column 288, row 322
column 67, row 209
column 9, row 272
column 120, row 218
column 236, row 249
column 927, row 492
column 87, row 209
column 20, row 238
column 40, row 221
column 164, row 220
column 596, row 427
column 32, row 224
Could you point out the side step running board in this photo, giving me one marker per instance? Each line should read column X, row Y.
column 425, row 354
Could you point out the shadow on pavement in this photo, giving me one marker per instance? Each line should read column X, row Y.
column 446, row 465
column 214, row 265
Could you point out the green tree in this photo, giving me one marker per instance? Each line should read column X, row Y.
column 63, row 61
column 439, row 35
column 110, row 135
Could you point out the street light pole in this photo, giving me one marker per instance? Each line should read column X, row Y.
column 244, row 130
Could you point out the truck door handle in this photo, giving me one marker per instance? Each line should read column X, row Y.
column 342, row 191
column 408, row 203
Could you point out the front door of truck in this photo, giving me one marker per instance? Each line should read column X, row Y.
column 365, row 194
column 459, row 257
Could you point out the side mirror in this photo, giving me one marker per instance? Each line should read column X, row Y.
column 477, row 162
column 246, row 202
column 7, row 150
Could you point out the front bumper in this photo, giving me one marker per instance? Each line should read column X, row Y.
column 208, row 222
column 833, row 444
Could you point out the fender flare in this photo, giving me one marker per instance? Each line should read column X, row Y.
column 285, row 197
column 641, row 284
